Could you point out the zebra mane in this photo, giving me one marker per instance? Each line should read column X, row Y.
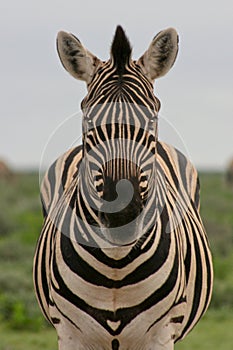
column 120, row 50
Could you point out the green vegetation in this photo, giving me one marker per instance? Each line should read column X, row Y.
column 217, row 213
column 11, row 339
column 21, row 324
column 213, row 332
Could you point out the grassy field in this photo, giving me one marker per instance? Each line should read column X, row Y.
column 22, row 326
column 45, row 339
column 214, row 332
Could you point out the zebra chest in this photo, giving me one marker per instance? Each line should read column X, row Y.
column 91, row 284
column 104, row 302
column 99, row 287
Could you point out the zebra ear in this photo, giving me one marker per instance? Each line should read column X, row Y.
column 77, row 60
column 161, row 54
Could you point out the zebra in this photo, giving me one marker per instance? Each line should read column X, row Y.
column 123, row 260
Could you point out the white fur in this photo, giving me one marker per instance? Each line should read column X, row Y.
column 82, row 64
column 164, row 45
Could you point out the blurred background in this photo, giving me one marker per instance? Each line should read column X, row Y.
column 37, row 96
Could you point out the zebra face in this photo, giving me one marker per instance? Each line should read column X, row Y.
column 119, row 127
column 119, row 152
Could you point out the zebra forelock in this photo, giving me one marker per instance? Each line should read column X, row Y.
column 120, row 50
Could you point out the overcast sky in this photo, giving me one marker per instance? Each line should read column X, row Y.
column 37, row 95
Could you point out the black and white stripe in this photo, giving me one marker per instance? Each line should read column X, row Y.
column 123, row 261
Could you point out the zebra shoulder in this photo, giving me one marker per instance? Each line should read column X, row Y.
column 175, row 163
column 59, row 176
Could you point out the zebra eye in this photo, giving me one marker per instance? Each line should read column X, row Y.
column 154, row 118
column 87, row 119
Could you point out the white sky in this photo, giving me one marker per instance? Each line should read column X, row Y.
column 37, row 94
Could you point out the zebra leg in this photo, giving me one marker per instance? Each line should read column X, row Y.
column 166, row 331
column 168, row 346
column 68, row 336
column 68, row 333
column 164, row 339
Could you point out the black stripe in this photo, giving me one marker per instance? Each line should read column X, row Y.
column 89, row 274
column 164, row 155
column 125, row 315
column 178, row 319
column 182, row 160
column 187, row 260
column 198, row 282
column 206, row 260
column 115, row 344
column 197, row 193
column 43, row 272
column 55, row 320
column 67, row 164
column 135, row 252
column 52, row 182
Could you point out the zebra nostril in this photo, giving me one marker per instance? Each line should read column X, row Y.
column 122, row 211
column 98, row 183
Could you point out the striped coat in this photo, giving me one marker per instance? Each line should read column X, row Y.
column 140, row 295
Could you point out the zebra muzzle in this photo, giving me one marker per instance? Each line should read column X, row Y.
column 120, row 211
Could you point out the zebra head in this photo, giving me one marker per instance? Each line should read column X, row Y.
column 119, row 127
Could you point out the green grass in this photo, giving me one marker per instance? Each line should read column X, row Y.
column 213, row 332
column 217, row 212
column 22, row 326
column 25, row 340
